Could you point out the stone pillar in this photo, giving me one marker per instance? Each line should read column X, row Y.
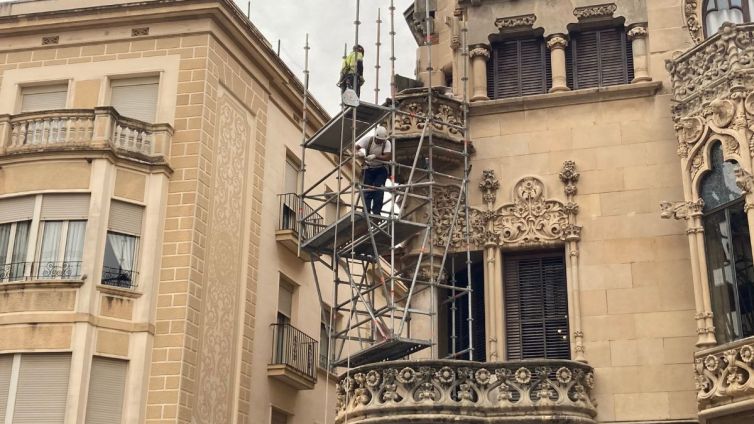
column 479, row 56
column 557, row 44
column 638, row 36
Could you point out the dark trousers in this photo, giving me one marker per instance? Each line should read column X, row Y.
column 347, row 82
column 373, row 197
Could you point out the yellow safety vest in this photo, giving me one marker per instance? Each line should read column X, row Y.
column 349, row 63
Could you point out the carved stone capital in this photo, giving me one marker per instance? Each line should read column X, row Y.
column 515, row 22
column 572, row 232
column 489, row 186
column 680, row 210
column 480, row 51
column 557, row 41
column 598, row 11
column 637, row 32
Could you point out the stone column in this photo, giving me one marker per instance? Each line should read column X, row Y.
column 638, row 36
column 557, row 44
column 479, row 56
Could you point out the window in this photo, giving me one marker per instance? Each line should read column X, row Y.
column 14, row 241
column 106, row 387
column 278, row 417
column 135, row 97
column 45, row 97
column 519, row 68
column 290, row 200
column 717, row 12
column 599, row 58
column 285, row 302
column 61, row 236
column 728, row 251
column 122, row 244
column 324, row 337
column 26, row 380
column 536, row 306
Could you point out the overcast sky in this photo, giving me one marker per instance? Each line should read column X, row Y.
column 330, row 27
column 330, row 24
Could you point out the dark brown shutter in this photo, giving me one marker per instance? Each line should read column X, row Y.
column 518, row 68
column 599, row 58
column 536, row 307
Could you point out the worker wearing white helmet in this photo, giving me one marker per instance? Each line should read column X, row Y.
column 376, row 151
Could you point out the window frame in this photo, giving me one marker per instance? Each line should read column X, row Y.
column 119, row 79
column 494, row 78
column 8, row 261
column 706, row 11
column 37, row 85
column 62, row 246
column 572, row 58
column 132, row 274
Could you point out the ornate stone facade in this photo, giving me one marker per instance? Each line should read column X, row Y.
column 429, row 392
column 599, row 11
column 515, row 22
column 725, row 374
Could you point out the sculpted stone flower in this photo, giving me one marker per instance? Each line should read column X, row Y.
column 523, row 375
column 747, row 354
column 359, row 379
column 711, row 363
column 446, row 375
column 482, row 376
column 373, row 378
column 564, row 375
column 406, row 376
column 589, row 380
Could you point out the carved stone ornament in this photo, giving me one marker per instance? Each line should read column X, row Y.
column 461, row 391
column 680, row 210
column 599, row 11
column 557, row 41
column 744, row 180
column 489, row 186
column 638, row 31
column 480, row 51
column 515, row 22
column 569, row 176
column 692, row 13
column 724, row 375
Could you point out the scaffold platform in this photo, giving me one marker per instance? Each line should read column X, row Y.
column 328, row 138
column 338, row 236
column 388, row 350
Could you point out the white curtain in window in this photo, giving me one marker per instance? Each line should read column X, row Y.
column 717, row 18
column 4, row 241
column 21, row 243
column 74, row 247
column 120, row 251
column 50, row 250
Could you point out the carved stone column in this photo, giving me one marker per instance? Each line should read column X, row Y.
column 638, row 37
column 569, row 176
column 493, row 279
column 480, row 54
column 557, row 44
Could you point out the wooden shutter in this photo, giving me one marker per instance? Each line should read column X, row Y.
column 278, row 417
column 135, row 97
column 536, row 307
column 599, row 58
column 65, row 206
column 125, row 217
column 6, row 365
column 519, row 68
column 16, row 209
column 42, row 388
column 106, row 386
column 48, row 97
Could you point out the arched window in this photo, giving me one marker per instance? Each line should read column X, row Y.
column 728, row 251
column 717, row 12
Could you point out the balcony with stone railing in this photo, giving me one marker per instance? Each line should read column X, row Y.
column 98, row 129
column 446, row 128
column 725, row 376
column 444, row 391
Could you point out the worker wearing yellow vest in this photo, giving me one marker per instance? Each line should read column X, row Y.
column 352, row 70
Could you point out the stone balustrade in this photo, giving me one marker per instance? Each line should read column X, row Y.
column 100, row 128
column 445, row 391
column 725, row 374
column 709, row 70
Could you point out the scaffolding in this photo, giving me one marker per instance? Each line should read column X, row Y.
column 389, row 270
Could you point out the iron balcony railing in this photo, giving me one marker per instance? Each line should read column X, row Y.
column 119, row 277
column 293, row 348
column 12, row 272
column 292, row 210
column 42, row 270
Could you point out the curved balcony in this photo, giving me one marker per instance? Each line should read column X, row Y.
column 725, row 376
column 101, row 128
column 445, row 391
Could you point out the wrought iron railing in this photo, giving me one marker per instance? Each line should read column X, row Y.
column 119, row 277
column 292, row 209
column 51, row 270
column 13, row 271
column 293, row 348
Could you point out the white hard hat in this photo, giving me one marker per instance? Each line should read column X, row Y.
column 380, row 132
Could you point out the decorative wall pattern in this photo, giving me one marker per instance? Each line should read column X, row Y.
column 224, row 266
column 446, row 391
column 724, row 374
